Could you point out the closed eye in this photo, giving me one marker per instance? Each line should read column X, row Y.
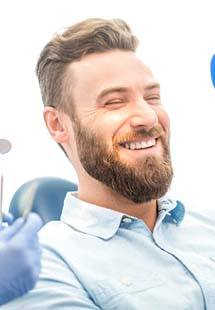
column 115, row 101
column 153, row 99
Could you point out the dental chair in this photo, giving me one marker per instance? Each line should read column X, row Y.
column 45, row 195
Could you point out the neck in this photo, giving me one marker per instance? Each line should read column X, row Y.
column 97, row 193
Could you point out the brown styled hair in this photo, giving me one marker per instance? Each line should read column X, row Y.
column 93, row 35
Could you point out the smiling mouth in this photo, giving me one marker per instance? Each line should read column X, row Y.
column 139, row 145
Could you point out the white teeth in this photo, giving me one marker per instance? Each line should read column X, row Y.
column 144, row 144
column 151, row 142
column 132, row 146
column 140, row 145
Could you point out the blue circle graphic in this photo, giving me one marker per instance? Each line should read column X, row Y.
column 213, row 70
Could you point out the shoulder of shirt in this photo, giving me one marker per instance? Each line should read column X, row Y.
column 200, row 216
column 55, row 231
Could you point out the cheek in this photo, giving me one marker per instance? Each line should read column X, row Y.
column 163, row 119
column 109, row 123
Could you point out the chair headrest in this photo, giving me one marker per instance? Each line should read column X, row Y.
column 45, row 195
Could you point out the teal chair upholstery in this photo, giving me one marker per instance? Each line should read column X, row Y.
column 45, row 195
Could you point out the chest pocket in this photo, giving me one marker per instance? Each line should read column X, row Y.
column 126, row 293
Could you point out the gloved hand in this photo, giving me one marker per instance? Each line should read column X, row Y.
column 6, row 218
column 19, row 257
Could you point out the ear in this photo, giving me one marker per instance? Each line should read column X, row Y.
column 56, row 122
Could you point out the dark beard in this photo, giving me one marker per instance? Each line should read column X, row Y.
column 149, row 179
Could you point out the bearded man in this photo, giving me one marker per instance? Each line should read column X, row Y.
column 121, row 243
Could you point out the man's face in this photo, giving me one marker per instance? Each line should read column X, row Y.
column 121, row 128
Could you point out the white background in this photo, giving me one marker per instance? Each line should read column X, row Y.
column 177, row 41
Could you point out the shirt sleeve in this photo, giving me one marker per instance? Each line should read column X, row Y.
column 57, row 288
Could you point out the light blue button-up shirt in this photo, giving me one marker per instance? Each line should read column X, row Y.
column 97, row 258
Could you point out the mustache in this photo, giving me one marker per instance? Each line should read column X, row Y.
column 154, row 132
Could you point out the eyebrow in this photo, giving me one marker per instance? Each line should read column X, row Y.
column 152, row 86
column 120, row 89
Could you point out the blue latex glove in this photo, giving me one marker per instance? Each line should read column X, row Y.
column 7, row 218
column 19, row 257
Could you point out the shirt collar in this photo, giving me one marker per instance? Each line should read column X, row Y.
column 89, row 218
column 171, row 211
column 104, row 223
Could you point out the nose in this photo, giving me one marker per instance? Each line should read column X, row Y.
column 143, row 115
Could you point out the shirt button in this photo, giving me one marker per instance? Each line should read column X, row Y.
column 125, row 281
column 127, row 220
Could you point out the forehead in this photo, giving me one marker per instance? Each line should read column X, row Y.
column 117, row 68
